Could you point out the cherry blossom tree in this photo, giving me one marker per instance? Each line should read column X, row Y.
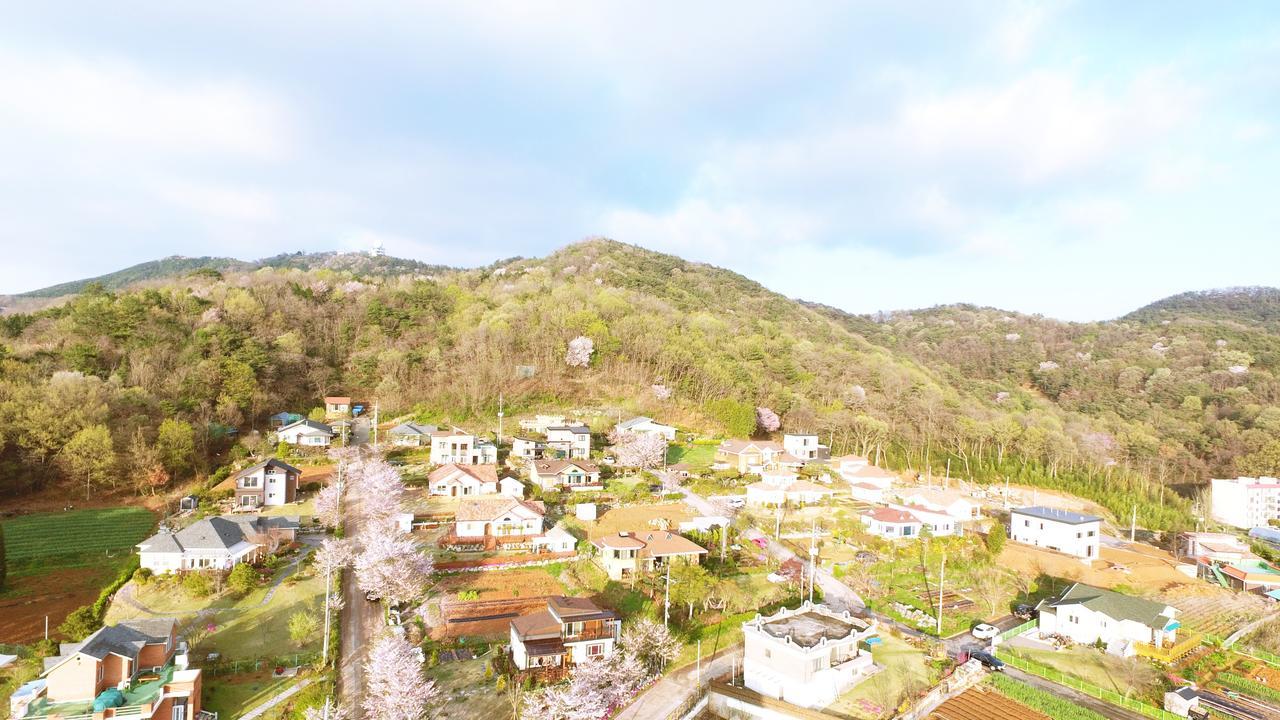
column 328, row 711
column 329, row 505
column 391, row 568
column 660, row 391
column 395, row 688
column 382, row 491
column 767, row 420
column 335, row 554
column 651, row 644
column 579, row 352
column 638, row 450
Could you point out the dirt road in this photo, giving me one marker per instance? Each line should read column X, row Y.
column 360, row 618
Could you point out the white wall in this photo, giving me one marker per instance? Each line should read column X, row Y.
column 1079, row 540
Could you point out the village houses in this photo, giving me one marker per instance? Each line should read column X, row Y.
column 754, row 457
column 1061, row 530
column 624, row 555
column 306, row 433
column 647, row 426
column 892, row 524
column 337, row 405
column 498, row 517
column 571, row 441
column 1087, row 615
column 135, row 669
column 216, row 543
column 269, row 483
column 807, row 656
column 526, row 450
column 568, row 474
column 569, row 631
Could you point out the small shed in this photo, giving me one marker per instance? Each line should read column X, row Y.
column 585, row 511
column 190, row 502
column 404, row 522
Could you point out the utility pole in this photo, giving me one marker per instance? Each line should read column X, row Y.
column 724, row 540
column 500, row 414
column 777, row 524
column 1133, row 523
column 699, row 685
column 1006, row 492
column 328, row 590
column 375, row 425
column 947, row 481
column 813, row 559
column 666, row 602
column 942, row 571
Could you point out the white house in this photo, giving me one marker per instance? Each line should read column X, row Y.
column 956, row 503
column 808, row 656
column 555, row 540
column 457, row 480
column 939, row 524
column 540, row 423
column 805, row 446
column 526, row 450
column 647, row 426
column 867, row 492
column 458, row 446
column 498, row 517
column 511, row 487
column 892, row 524
column 1061, row 530
column 306, row 433
column 216, row 543
column 570, row 474
column 1245, row 502
column 271, row 483
column 572, row 440
column 779, row 487
column 1087, row 614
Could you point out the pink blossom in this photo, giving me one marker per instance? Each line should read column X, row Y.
column 579, row 352
column 391, row 568
column 767, row 420
column 395, row 688
column 638, row 450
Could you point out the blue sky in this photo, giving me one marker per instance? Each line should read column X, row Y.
column 1073, row 159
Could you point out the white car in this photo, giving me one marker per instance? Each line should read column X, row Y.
column 984, row 631
column 736, row 502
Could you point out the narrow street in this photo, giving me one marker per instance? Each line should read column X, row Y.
column 666, row 695
column 360, row 618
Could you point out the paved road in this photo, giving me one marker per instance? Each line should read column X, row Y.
column 666, row 695
column 360, row 618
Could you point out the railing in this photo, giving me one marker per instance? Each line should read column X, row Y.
column 1011, row 632
column 1170, row 654
column 1093, row 691
column 600, row 634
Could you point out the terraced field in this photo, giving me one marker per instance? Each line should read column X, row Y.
column 981, row 704
column 76, row 537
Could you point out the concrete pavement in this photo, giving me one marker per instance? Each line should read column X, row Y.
column 669, row 693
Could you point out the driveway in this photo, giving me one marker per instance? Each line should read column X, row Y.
column 667, row 695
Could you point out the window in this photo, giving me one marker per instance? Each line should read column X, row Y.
column 1026, row 523
column 595, row 650
column 1079, row 535
column 572, row 629
column 179, row 712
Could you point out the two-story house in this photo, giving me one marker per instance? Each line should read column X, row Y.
column 567, row 474
column 459, row 480
column 526, row 450
column 572, row 441
column 807, row 656
column 805, row 446
column 754, row 457
column 624, row 555
column 269, row 483
column 498, row 517
column 567, row 632
column 135, row 669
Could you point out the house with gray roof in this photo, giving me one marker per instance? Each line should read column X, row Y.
column 271, row 482
column 216, row 543
column 1088, row 614
column 1063, row 531
column 411, row 434
column 306, row 433
column 647, row 426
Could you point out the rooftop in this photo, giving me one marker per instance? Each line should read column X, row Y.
column 1056, row 515
column 1117, row 606
column 809, row 625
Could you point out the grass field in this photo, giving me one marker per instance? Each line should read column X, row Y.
column 1133, row 676
column 905, row 671
column 466, row 694
column 75, row 537
column 699, row 457
column 232, row 695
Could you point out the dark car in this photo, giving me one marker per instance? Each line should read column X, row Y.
column 989, row 661
column 1024, row 612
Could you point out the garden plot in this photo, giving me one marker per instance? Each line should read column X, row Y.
column 1217, row 612
column 981, row 704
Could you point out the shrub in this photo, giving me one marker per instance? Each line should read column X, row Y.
column 302, row 625
column 142, row 575
column 197, row 584
column 995, row 539
column 242, row 578
column 80, row 623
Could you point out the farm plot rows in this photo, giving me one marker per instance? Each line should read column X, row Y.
column 978, row 704
column 87, row 533
column 1219, row 613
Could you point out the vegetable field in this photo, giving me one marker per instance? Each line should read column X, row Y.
column 77, row 536
column 980, row 704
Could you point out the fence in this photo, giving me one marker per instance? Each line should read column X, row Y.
column 1093, row 691
column 1170, row 654
column 1259, row 654
column 1012, row 632
column 234, row 667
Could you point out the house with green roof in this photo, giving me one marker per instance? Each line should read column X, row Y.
column 1087, row 614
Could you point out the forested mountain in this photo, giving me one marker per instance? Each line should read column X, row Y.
column 1114, row 411
column 176, row 267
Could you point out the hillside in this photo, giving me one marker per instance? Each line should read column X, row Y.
column 1115, row 411
column 175, row 267
column 1258, row 306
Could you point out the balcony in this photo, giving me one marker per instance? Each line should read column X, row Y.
column 593, row 634
column 1169, row 653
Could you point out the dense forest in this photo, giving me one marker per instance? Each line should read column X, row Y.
column 1116, row 411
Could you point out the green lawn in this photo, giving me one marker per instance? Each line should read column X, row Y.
column 1133, row 676
column 264, row 631
column 699, row 457
column 233, row 695
column 905, row 672
column 76, row 537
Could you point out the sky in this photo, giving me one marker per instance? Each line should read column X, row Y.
column 1067, row 158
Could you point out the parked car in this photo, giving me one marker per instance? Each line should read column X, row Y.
column 989, row 661
column 1024, row 612
column 984, row 631
column 736, row 502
